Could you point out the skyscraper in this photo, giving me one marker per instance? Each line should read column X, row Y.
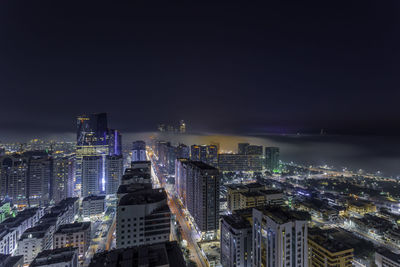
column 236, row 241
column 14, row 178
column 63, row 173
column 279, row 237
column 139, row 151
column 92, row 173
column 94, row 138
column 198, row 185
column 113, row 173
column 272, row 158
column 40, row 178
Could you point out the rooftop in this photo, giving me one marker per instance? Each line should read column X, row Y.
column 161, row 254
column 236, row 221
column 130, row 188
column 93, row 197
column 37, row 231
column 9, row 260
column 388, row 254
column 73, row 227
column 283, row 215
column 143, row 197
column 53, row 256
column 330, row 244
column 202, row 165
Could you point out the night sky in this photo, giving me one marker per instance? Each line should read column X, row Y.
column 278, row 66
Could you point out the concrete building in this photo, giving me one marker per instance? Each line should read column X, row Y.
column 113, row 173
column 272, row 158
column 166, row 254
column 73, row 235
column 239, row 162
column 12, row 228
column 139, row 151
column 386, row 258
column 61, row 257
column 14, row 179
column 279, row 237
column 92, row 174
column 236, row 241
column 63, row 180
column 198, row 186
column 35, row 240
column 93, row 206
column 40, row 178
column 325, row 251
column 11, row 261
column 241, row 196
column 143, row 218
column 204, row 153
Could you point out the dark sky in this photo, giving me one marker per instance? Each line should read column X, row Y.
column 275, row 66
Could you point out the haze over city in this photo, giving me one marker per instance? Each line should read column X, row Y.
column 203, row 134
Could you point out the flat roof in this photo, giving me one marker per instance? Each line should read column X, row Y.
column 389, row 254
column 160, row 254
column 143, row 197
column 93, row 197
column 202, row 165
column 236, row 221
column 282, row 214
column 53, row 256
column 72, row 227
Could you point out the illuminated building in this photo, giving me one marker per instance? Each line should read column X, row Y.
column 63, row 184
column 360, row 206
column 239, row 162
column 272, row 158
column 14, row 179
column 205, row 153
column 94, row 138
column 93, row 206
column 40, row 175
column 182, row 127
column 236, row 241
column 198, row 185
column 242, row 196
column 161, row 127
column 75, row 235
column 92, row 173
column 139, row 151
column 35, row 240
column 279, row 237
column 325, row 251
column 113, row 173
column 143, row 218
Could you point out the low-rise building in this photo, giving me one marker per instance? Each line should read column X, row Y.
column 325, row 251
column 73, row 235
column 360, row 206
column 61, row 257
column 35, row 240
column 11, row 261
column 386, row 258
column 93, row 206
column 166, row 254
